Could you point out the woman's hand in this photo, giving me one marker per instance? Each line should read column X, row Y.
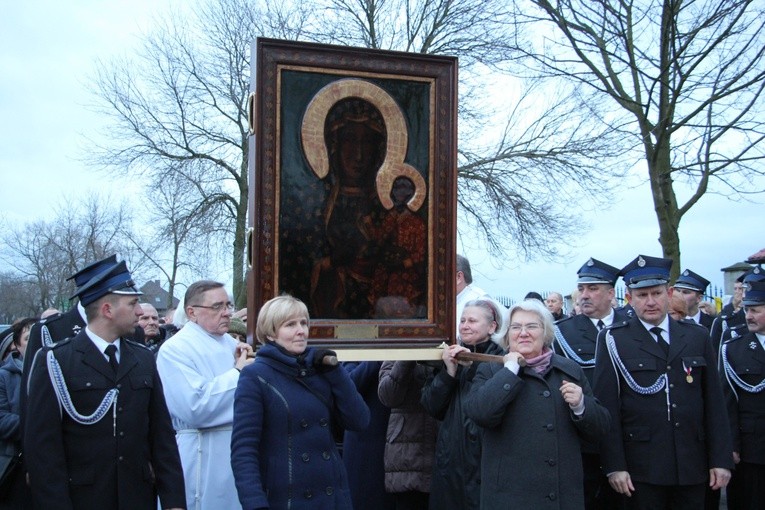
column 450, row 358
column 571, row 393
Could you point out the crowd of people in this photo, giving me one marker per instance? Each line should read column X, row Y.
column 653, row 405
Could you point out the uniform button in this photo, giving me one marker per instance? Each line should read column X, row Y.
column 323, row 422
column 304, row 424
column 306, row 457
column 506, row 386
column 119, row 409
column 695, row 362
column 671, row 385
column 549, row 426
column 546, row 393
column 579, row 349
column 325, row 455
column 551, row 462
column 308, row 494
column 119, row 386
column 551, row 496
column 122, row 434
column 669, row 367
column 121, row 458
column 302, row 373
column 674, row 405
column 88, row 385
column 677, row 424
column 330, row 491
column 640, row 365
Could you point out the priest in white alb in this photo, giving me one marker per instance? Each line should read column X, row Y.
column 199, row 367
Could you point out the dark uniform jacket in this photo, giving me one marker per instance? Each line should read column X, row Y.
column 706, row 320
column 114, row 463
column 744, row 361
column 728, row 319
column 60, row 327
column 660, row 438
column 580, row 337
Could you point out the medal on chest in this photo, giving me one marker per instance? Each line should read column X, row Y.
column 688, row 376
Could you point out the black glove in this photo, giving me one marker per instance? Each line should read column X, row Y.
column 320, row 364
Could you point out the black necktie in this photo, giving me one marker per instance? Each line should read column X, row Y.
column 601, row 324
column 662, row 342
column 111, row 351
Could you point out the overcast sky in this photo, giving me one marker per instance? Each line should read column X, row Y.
column 47, row 59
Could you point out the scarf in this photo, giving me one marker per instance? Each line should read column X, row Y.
column 541, row 362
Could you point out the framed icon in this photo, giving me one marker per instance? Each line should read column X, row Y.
column 353, row 191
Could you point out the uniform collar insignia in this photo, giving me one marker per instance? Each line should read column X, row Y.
column 76, row 329
column 753, row 345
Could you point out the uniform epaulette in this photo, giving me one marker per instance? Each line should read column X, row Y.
column 691, row 322
column 59, row 344
column 615, row 325
column 564, row 319
column 50, row 318
column 137, row 344
column 735, row 332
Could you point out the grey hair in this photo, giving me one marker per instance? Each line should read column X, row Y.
column 545, row 317
column 463, row 264
column 494, row 311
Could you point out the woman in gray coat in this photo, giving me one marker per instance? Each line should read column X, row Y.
column 533, row 417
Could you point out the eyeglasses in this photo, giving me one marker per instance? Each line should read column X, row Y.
column 217, row 307
column 531, row 327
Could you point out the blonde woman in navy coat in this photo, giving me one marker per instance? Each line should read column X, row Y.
column 282, row 451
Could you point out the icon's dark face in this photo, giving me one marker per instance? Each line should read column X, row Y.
column 359, row 152
column 402, row 191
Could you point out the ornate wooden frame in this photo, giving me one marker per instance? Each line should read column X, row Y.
column 293, row 88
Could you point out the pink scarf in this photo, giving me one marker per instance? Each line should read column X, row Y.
column 541, row 362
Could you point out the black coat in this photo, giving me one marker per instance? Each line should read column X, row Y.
column 123, row 463
column 531, row 440
column 456, row 479
column 744, row 358
column 658, row 441
column 706, row 320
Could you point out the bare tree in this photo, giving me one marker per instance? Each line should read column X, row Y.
column 46, row 253
column 183, row 233
column 179, row 105
column 685, row 80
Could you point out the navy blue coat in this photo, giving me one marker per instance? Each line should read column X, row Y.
column 10, row 383
column 364, row 450
column 282, row 451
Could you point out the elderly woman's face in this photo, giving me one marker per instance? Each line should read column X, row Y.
column 293, row 335
column 475, row 326
column 527, row 335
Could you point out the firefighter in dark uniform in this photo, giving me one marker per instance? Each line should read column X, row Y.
column 575, row 338
column 692, row 287
column 743, row 360
column 669, row 431
column 100, row 435
column 730, row 317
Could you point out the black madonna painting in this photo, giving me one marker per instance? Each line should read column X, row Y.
column 352, row 177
